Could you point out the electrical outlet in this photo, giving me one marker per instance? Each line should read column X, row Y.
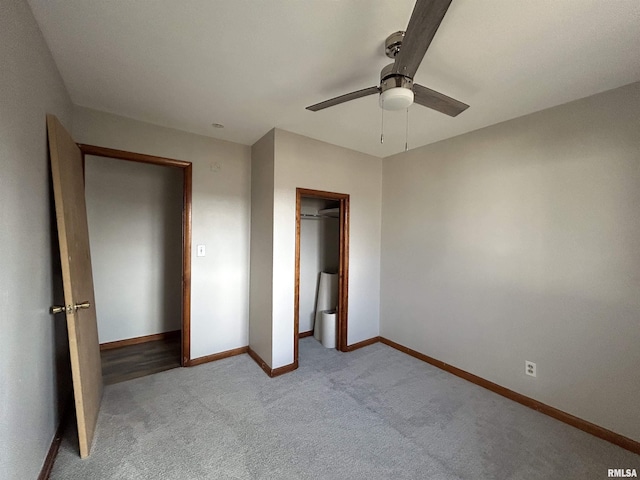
column 530, row 368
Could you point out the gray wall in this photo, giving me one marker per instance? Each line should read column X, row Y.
column 281, row 162
column 221, row 216
column 34, row 365
column 307, row 163
column 135, row 229
column 261, row 297
column 521, row 241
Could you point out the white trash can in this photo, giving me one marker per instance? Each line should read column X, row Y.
column 327, row 299
column 329, row 328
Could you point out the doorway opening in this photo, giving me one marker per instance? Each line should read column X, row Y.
column 326, row 217
column 146, row 354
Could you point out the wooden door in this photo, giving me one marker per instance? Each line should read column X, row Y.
column 73, row 234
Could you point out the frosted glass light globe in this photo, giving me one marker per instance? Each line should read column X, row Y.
column 396, row 98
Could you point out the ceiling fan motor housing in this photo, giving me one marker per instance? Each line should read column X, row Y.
column 396, row 91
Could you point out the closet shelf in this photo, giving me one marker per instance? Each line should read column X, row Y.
column 326, row 213
column 330, row 212
column 321, row 214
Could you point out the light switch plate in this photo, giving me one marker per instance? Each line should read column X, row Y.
column 201, row 252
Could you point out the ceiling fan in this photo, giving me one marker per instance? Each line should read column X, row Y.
column 397, row 90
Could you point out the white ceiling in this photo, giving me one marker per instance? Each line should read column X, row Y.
column 253, row 64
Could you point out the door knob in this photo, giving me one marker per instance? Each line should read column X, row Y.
column 78, row 306
column 69, row 309
column 57, row 309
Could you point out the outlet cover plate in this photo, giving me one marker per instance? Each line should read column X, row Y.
column 530, row 368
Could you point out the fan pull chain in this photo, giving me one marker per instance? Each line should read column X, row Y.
column 382, row 127
column 406, row 133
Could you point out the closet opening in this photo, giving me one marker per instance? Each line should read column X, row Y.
column 139, row 216
column 321, row 268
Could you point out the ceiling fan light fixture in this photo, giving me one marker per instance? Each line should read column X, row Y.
column 407, row 49
column 396, row 98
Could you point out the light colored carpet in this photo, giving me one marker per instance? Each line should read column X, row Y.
column 374, row 413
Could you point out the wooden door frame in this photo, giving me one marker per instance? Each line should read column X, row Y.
column 187, row 193
column 343, row 267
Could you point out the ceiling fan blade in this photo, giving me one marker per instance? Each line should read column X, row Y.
column 437, row 101
column 344, row 98
column 423, row 25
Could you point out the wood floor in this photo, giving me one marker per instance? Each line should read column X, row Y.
column 133, row 361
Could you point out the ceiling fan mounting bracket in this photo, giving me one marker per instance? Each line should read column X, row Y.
column 393, row 43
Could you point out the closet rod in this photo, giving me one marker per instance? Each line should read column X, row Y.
column 313, row 216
